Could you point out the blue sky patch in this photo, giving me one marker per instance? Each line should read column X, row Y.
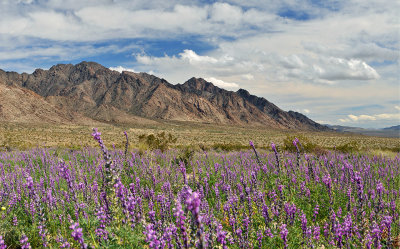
column 293, row 14
column 172, row 47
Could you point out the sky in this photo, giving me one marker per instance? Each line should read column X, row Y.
column 336, row 61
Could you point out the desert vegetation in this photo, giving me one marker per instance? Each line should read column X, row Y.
column 195, row 135
column 287, row 194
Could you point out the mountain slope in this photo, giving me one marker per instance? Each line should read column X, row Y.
column 289, row 119
column 98, row 93
column 24, row 106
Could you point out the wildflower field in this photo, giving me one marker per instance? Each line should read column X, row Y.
column 271, row 198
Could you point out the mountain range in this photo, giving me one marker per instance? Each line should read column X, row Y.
column 89, row 92
column 393, row 131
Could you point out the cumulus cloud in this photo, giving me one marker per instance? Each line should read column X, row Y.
column 194, row 58
column 361, row 117
column 334, row 69
column 221, row 83
column 188, row 63
column 121, row 69
column 85, row 21
column 226, row 13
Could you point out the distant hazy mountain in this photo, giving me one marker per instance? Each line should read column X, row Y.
column 392, row 128
column 393, row 131
column 89, row 91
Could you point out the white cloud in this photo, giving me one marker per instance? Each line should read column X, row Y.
column 247, row 76
column 334, row 69
column 375, row 117
column 221, row 83
column 397, row 107
column 121, row 69
column 188, row 64
column 361, row 117
column 304, row 110
column 194, row 58
column 390, row 116
column 292, row 61
column 226, row 13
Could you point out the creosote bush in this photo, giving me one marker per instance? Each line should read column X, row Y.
column 305, row 145
column 228, row 147
column 350, row 147
column 160, row 141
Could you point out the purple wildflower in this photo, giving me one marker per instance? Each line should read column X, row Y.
column 126, row 144
column 251, row 144
column 42, row 234
column 387, row 224
column 101, row 231
column 265, row 214
column 77, row 234
column 259, row 238
column 380, row 189
column 180, row 222
column 193, row 205
column 273, row 146
column 221, row 236
column 295, row 141
column 284, row 233
column 24, row 242
column 15, row 221
column 65, row 244
column 316, row 233
column 269, row 233
column 151, row 237
column 2, row 244
column 255, row 152
column 316, row 210
column 303, row 220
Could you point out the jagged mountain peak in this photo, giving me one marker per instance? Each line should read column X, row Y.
column 90, row 65
column 243, row 92
column 200, row 85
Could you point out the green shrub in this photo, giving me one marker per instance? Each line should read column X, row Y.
column 395, row 149
column 305, row 144
column 229, row 147
column 185, row 156
column 160, row 141
column 349, row 147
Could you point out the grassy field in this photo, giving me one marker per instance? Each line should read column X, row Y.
column 195, row 135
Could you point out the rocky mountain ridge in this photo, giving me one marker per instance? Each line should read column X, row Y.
column 90, row 91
